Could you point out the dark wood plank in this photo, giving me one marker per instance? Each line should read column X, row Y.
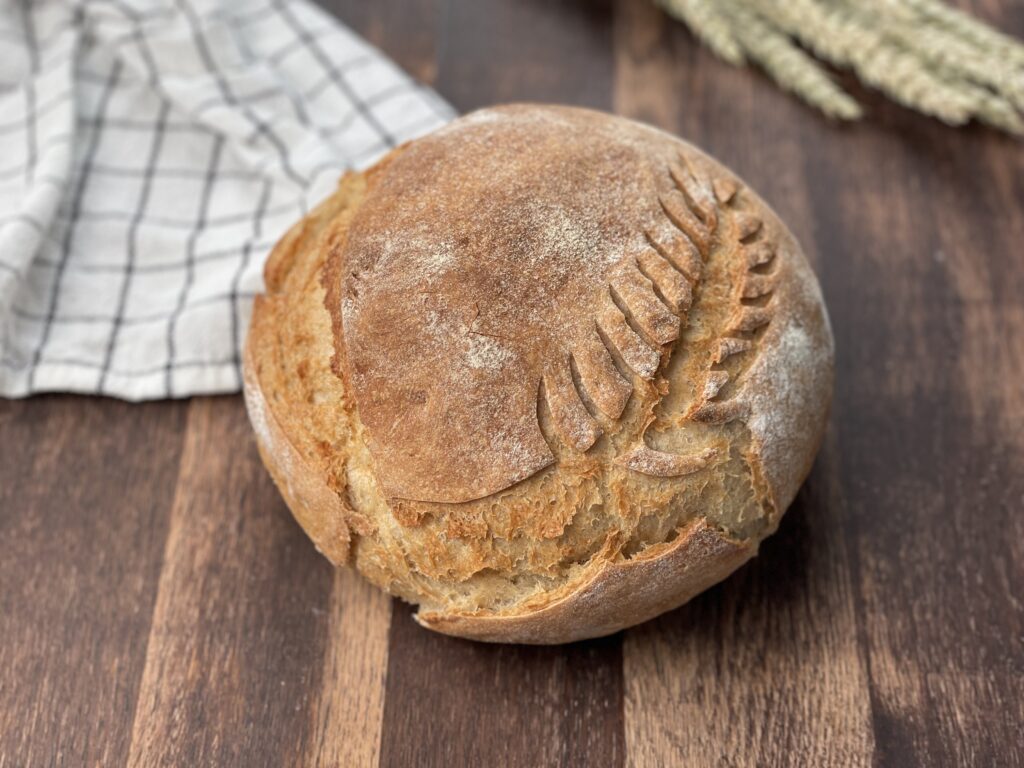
column 456, row 702
column 239, row 632
column 409, row 32
column 932, row 443
column 85, row 488
column 526, row 50
column 347, row 705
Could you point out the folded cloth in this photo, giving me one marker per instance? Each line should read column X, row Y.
column 151, row 152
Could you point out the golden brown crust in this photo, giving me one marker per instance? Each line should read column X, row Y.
column 482, row 261
column 788, row 388
column 302, row 479
column 657, row 476
column 617, row 595
column 319, row 510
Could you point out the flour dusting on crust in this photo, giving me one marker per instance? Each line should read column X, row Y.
column 484, row 258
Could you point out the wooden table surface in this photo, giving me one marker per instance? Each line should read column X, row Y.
column 158, row 605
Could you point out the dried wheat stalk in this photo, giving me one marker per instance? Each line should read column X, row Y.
column 922, row 54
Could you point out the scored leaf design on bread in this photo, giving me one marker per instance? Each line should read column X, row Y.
column 649, row 296
column 486, row 321
column 752, row 298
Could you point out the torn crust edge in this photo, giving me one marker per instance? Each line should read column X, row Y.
column 613, row 596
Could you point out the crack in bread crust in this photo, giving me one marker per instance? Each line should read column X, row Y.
column 646, row 466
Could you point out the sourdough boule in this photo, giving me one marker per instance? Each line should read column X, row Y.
column 545, row 372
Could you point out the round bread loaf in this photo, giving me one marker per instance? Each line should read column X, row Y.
column 546, row 373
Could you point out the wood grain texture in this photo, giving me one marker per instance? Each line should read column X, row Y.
column 456, row 702
column 158, row 606
column 412, row 32
column 526, row 50
column 935, row 518
column 234, row 650
column 85, row 490
column 348, row 711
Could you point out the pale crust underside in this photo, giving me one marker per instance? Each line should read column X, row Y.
column 738, row 442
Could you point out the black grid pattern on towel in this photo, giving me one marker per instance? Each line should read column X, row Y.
column 153, row 151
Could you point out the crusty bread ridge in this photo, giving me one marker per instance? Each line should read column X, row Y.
column 664, row 456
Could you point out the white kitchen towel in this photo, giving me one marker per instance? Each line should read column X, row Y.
column 151, row 152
